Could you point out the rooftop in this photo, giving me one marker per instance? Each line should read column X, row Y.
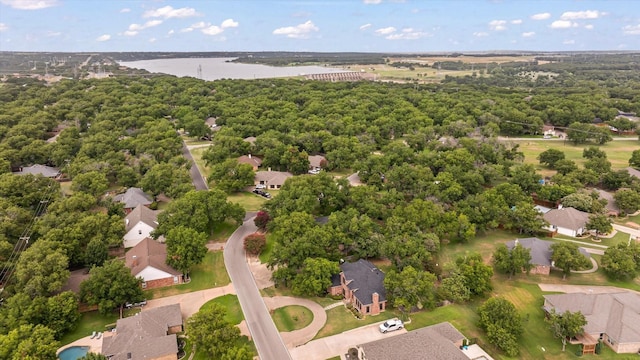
column 141, row 213
column 364, row 279
column 148, row 252
column 567, row 217
column 133, row 197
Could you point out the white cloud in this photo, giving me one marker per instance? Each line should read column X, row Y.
column 386, row 31
column 53, row 33
column 497, row 25
column 516, row 21
column 365, row 26
column 186, row 30
column 587, row 14
column 29, row 4
column 125, row 10
column 541, row 16
column 480, row 34
column 4, row 27
column 104, row 37
column 199, row 25
column 168, row 12
column 631, row 29
column 137, row 27
column 229, row 23
column 562, row 24
column 372, row 2
column 528, row 34
column 569, row 42
column 301, row 31
column 170, row 32
column 588, row 27
column 130, row 33
column 152, row 40
column 411, row 35
column 212, row 30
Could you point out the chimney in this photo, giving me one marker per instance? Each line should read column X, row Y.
column 269, row 168
column 126, row 222
column 249, row 156
column 559, row 206
column 135, row 260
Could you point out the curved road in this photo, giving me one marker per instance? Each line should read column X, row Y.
column 263, row 331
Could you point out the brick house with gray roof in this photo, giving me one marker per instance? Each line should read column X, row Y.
column 540, row 251
column 362, row 285
column 149, row 335
column 614, row 317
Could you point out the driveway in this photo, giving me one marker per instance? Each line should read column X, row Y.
column 263, row 331
column 301, row 336
column 338, row 345
column 191, row 302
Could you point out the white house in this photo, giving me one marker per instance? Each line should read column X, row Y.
column 139, row 224
column 567, row 221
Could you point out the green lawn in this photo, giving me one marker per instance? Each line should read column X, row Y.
column 292, row 317
column 283, row 291
column 266, row 253
column 211, row 273
column 230, row 302
column 197, row 157
column 221, row 232
column 341, row 319
column 94, row 321
column 249, row 201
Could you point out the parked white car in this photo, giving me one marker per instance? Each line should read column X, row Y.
column 261, row 186
column 391, row 325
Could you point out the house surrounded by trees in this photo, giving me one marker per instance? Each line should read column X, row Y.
column 362, row 285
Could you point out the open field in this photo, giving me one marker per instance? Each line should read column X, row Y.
column 618, row 152
column 211, row 273
column 248, row 200
column 292, row 317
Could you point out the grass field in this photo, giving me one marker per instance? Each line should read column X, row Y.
column 211, row 273
column 341, row 319
column 221, row 232
column 231, row 304
column 266, row 253
column 618, row 152
column 94, row 321
column 197, row 157
column 291, row 318
column 249, row 201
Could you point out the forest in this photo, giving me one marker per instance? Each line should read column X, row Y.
column 433, row 166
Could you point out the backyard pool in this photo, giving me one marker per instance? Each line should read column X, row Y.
column 73, row 353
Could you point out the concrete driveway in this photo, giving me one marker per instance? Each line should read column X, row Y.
column 338, row 345
column 191, row 302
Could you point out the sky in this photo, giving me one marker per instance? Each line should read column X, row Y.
column 319, row 25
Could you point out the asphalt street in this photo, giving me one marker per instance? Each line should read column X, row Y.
column 196, row 177
column 263, row 331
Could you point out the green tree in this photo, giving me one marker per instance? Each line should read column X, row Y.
column 97, row 252
column 593, row 152
column 93, row 356
column 525, row 218
column 512, row 261
column 211, row 333
column 566, row 325
column 622, row 261
column 93, row 182
column 627, row 200
column 566, row 257
column 526, row 177
column 315, row 277
column 62, row 314
column 454, row 289
column 500, row 319
column 185, row 248
column 230, row 176
column 565, row 166
column 579, row 133
column 550, row 157
column 634, row 161
column 295, row 161
column 110, row 286
column 42, row 270
column 410, row 288
column 476, row 273
column 167, row 178
column 29, row 342
column 600, row 223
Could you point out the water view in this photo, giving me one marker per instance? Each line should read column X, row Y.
column 219, row 68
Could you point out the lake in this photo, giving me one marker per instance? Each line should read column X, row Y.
column 219, row 68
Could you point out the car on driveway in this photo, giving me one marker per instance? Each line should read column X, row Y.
column 140, row 304
column 391, row 325
column 262, row 193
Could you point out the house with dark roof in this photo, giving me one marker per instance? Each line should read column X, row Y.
column 540, row 251
column 139, row 224
column 255, row 162
column 149, row 335
column 147, row 260
column 438, row 342
column 132, row 198
column 567, row 221
column 613, row 318
column 37, row 169
column 271, row 179
column 362, row 285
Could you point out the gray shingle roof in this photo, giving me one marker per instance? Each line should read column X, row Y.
column 141, row 213
column 436, row 342
column 148, row 252
column 364, row 279
column 37, row 169
column 144, row 336
column 568, row 218
column 273, row 177
column 133, row 197
column 540, row 249
column 617, row 314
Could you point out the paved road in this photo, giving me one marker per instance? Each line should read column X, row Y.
column 263, row 331
column 196, row 177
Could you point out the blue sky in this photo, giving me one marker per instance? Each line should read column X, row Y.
column 319, row 25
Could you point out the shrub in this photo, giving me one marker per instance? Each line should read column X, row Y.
column 255, row 243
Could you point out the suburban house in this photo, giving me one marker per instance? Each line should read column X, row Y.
column 633, row 172
column 271, row 179
column 362, row 284
column 611, row 206
column 138, row 224
column 613, row 318
column 255, row 162
column 132, row 198
column 149, row 335
column 540, row 251
column 567, row 221
column 317, row 162
column 147, row 260
column 440, row 341
column 211, row 123
column 37, row 169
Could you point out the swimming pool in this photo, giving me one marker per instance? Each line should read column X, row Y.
column 73, row 353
